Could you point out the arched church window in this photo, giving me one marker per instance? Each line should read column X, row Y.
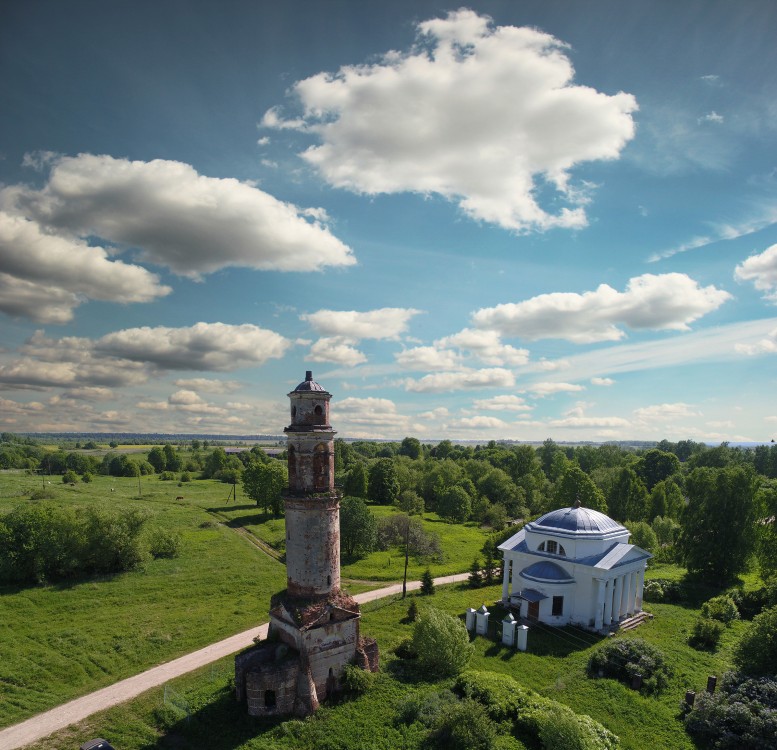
column 562, row 551
column 318, row 414
column 551, row 547
column 541, row 548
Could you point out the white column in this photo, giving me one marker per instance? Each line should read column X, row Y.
column 607, row 603
column 616, row 602
column 600, row 605
column 640, row 587
column 506, row 580
column 626, row 603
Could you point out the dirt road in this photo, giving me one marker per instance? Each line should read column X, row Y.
column 42, row 725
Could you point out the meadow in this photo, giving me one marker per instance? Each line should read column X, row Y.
column 62, row 640
column 198, row 711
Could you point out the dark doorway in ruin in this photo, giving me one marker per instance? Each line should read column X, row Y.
column 269, row 699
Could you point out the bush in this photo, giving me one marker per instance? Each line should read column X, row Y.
column 742, row 713
column 87, row 477
column 70, row 477
column 756, row 652
column 533, row 717
column 722, row 608
column 424, row 709
column 464, row 725
column 442, row 643
column 664, row 590
column 356, row 681
column 705, row 634
column 623, row 658
column 406, row 650
column 185, row 477
column 168, row 476
column 164, row 544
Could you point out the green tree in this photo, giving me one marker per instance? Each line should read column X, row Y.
column 455, row 504
column 756, row 652
column 427, row 583
column 156, row 458
column 718, row 533
column 576, row 485
column 358, row 528
column 643, row 536
column 383, row 487
column 656, row 466
column 172, row 459
column 628, row 497
column 442, row 643
column 355, row 483
column 265, row 483
column 214, row 463
column 411, row 503
column 411, row 447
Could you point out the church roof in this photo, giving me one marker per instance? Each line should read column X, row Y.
column 308, row 384
column 547, row 572
column 579, row 521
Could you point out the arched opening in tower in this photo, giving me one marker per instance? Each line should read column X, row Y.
column 321, row 468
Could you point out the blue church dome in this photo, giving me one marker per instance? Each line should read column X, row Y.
column 546, row 572
column 576, row 521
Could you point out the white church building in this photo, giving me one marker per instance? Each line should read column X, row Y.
column 574, row 566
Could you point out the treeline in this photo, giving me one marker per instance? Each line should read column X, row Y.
column 712, row 509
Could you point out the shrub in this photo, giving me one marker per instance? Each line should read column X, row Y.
column 406, row 650
column 623, row 658
column 705, row 634
column 70, row 477
column 722, row 608
column 168, row 476
column 356, row 681
column 664, row 590
column 464, row 725
column 742, row 713
column 756, row 652
column 412, row 611
column 442, row 643
column 87, row 477
column 164, row 544
column 533, row 716
column 185, row 477
column 424, row 709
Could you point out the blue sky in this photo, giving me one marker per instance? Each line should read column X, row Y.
column 501, row 220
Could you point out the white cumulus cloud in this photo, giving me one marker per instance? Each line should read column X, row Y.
column 177, row 218
column 661, row 302
column 384, row 323
column 337, row 349
column 45, row 276
column 502, row 403
column 442, row 382
column 426, row 358
column 203, row 346
column 482, row 115
column 761, row 269
column 487, row 346
column 548, row 389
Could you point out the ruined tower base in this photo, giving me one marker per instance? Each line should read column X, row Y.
column 302, row 661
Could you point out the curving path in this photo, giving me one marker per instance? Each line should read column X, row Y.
column 44, row 724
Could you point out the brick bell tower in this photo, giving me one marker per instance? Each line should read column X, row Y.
column 314, row 626
column 312, row 503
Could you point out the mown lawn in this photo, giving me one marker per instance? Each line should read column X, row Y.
column 554, row 665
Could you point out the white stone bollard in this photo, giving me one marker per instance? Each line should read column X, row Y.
column 470, row 619
column 481, row 621
column 508, row 630
column 521, row 637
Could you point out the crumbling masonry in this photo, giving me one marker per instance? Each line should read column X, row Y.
column 314, row 626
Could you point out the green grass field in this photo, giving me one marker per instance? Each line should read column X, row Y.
column 64, row 640
column 554, row 665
